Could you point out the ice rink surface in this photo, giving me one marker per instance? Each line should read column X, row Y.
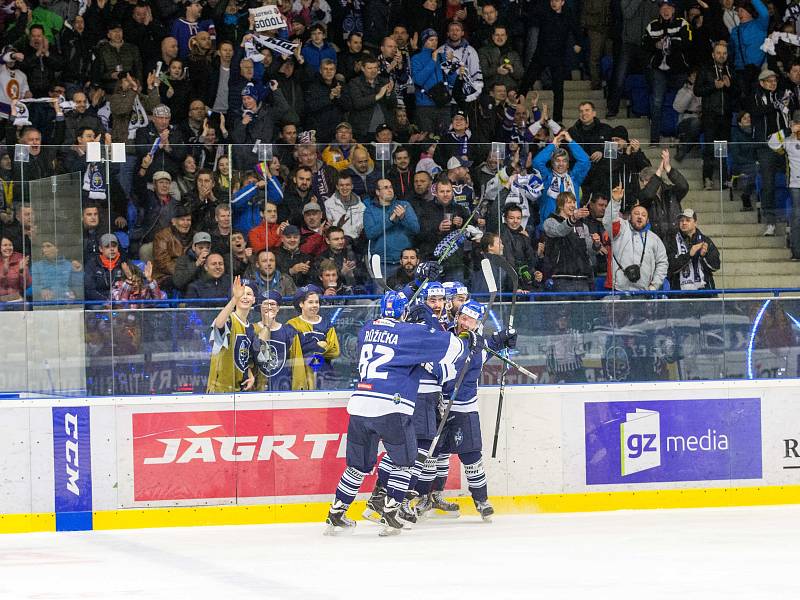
column 708, row 554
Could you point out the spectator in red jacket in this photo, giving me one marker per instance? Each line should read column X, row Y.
column 14, row 274
column 266, row 234
column 312, row 241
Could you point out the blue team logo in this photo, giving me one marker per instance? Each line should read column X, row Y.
column 458, row 437
column 241, row 352
column 272, row 358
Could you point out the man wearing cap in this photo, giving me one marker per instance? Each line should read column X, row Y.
column 370, row 99
column 262, row 111
column 116, row 56
column 693, row 257
column 427, row 72
column 157, row 206
column 190, row 266
column 170, row 243
column 338, row 154
column 323, row 102
column 788, row 143
column 746, row 39
column 103, row 270
column 666, row 39
column 625, row 169
column 459, row 178
column 162, row 143
column 456, row 140
column 212, row 284
column 314, row 224
column 769, row 113
column 290, row 259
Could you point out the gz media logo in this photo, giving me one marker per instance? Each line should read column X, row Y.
column 640, row 441
column 673, row 440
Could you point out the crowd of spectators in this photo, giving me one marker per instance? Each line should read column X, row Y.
column 365, row 127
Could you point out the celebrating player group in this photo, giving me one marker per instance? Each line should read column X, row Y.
column 419, row 366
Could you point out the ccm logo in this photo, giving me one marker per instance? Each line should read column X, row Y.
column 71, row 453
column 244, row 448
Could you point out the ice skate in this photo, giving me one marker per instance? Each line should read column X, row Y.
column 423, row 507
column 375, row 504
column 337, row 522
column 485, row 510
column 443, row 507
column 392, row 525
column 407, row 513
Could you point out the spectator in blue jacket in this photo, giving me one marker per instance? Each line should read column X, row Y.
column 746, row 40
column 390, row 225
column 316, row 48
column 427, row 72
column 560, row 178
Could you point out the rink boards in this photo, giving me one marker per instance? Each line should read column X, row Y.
column 104, row 463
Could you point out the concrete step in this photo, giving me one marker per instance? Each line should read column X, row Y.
column 783, row 267
column 748, row 242
column 757, row 281
column 715, row 230
column 748, row 255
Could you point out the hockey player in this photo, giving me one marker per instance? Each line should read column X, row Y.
column 461, row 434
column 382, row 405
column 274, row 370
column 430, row 311
column 455, row 294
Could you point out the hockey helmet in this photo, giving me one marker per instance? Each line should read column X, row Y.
column 454, row 288
column 393, row 304
column 473, row 309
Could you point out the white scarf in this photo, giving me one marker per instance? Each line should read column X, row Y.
column 772, row 40
column 253, row 48
column 692, row 276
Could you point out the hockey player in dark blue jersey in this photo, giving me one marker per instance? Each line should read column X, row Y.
column 461, row 434
column 429, row 311
column 455, row 294
column 382, row 405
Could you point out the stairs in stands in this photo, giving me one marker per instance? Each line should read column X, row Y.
column 748, row 258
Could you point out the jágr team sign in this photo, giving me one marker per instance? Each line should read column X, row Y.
column 241, row 454
column 267, row 18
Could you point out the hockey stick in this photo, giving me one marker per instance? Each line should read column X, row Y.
column 448, row 252
column 377, row 274
column 512, row 364
column 492, row 286
column 504, row 264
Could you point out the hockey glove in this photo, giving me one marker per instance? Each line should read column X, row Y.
column 472, row 339
column 506, row 338
column 428, row 270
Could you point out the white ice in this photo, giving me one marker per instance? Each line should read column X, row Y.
column 709, row 554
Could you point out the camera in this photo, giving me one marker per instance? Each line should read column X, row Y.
column 633, row 273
